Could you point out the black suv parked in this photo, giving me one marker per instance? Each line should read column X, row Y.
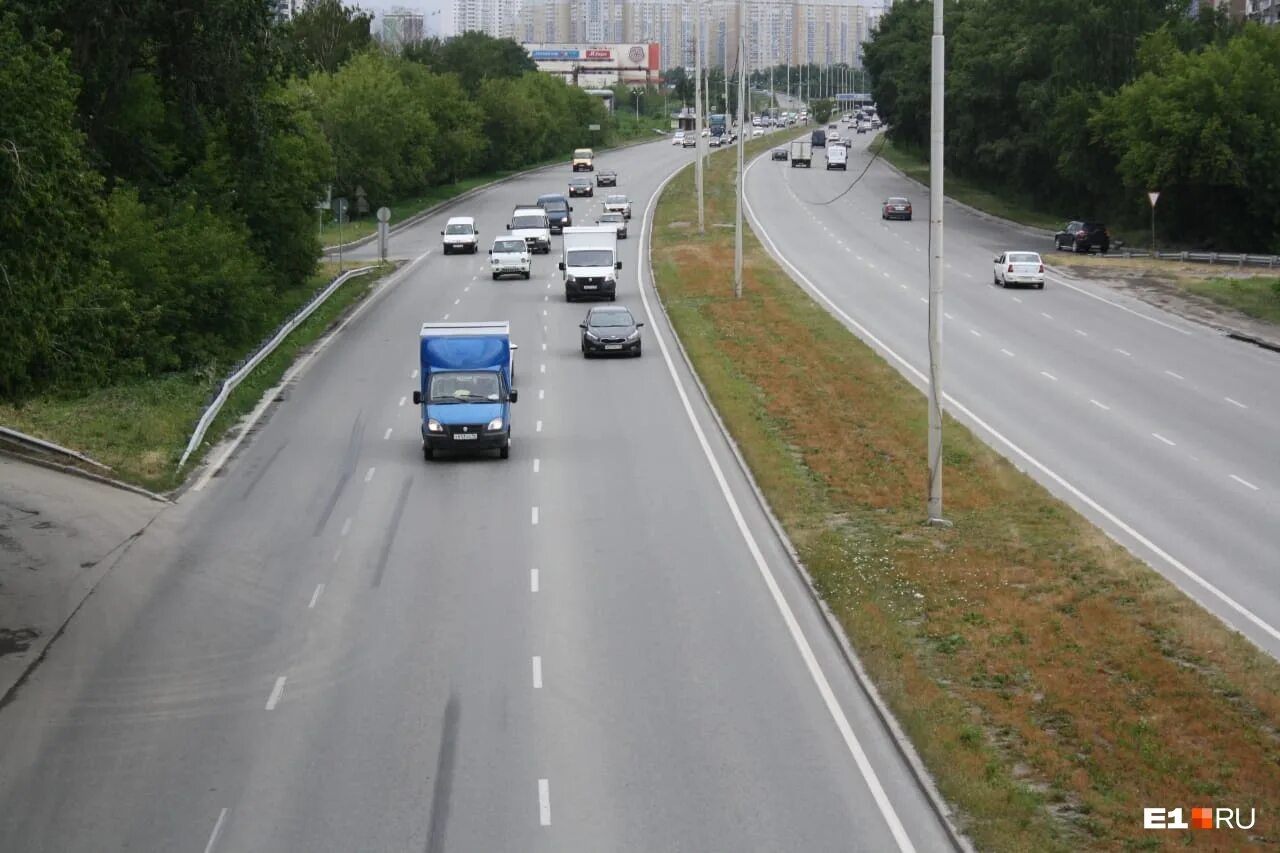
column 1081, row 236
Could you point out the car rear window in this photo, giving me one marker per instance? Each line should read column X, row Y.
column 1023, row 258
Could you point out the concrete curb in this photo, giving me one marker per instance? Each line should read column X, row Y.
column 436, row 208
column 10, row 450
column 902, row 743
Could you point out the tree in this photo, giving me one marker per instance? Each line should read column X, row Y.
column 50, row 272
column 324, row 34
column 1204, row 129
column 474, row 57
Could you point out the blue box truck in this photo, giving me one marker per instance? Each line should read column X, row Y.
column 465, row 393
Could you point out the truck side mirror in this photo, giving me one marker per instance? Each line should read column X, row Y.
column 562, row 266
column 618, row 265
column 509, row 226
column 571, row 208
column 417, row 398
column 441, row 233
column 512, row 395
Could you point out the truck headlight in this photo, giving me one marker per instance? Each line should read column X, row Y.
column 496, row 423
column 433, row 425
column 570, row 280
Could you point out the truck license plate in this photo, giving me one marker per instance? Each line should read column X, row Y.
column 465, row 436
column 589, row 287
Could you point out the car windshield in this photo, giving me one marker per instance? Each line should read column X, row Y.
column 528, row 222
column 1023, row 258
column 616, row 199
column 509, row 246
column 457, row 229
column 465, row 387
column 579, row 182
column 590, row 258
column 610, row 318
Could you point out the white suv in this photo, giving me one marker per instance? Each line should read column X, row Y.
column 460, row 235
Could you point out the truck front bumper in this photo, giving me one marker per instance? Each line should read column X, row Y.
column 482, row 440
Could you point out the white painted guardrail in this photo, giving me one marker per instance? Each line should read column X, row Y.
column 246, row 367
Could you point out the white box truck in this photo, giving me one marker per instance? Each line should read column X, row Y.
column 590, row 262
column 802, row 153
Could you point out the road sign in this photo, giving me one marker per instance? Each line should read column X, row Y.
column 384, row 214
column 1153, row 197
column 593, row 127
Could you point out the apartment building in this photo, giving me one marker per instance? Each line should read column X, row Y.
column 498, row 18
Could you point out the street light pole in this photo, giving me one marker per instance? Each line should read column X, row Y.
column 742, row 142
column 697, row 110
column 936, row 268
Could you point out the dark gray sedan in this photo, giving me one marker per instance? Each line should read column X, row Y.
column 610, row 330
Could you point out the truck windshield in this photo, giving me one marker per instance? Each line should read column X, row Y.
column 590, row 258
column 464, row 387
column 528, row 222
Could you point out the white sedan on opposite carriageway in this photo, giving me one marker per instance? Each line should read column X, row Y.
column 1019, row 268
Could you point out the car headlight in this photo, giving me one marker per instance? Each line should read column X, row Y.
column 635, row 334
column 433, row 425
column 592, row 337
column 496, row 423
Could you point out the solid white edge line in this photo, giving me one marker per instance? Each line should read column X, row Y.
column 315, row 596
column 544, row 802
column 369, row 474
column 1244, row 482
column 793, row 626
column 1235, row 402
column 217, row 830
column 1058, row 279
column 533, row 580
column 537, row 672
column 276, row 692
column 1075, row 492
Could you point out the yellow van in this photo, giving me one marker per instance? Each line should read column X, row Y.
column 582, row 158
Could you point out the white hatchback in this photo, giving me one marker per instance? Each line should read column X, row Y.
column 1019, row 268
column 509, row 256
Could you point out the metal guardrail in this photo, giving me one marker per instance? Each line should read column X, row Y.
column 1240, row 260
column 31, row 441
column 246, row 367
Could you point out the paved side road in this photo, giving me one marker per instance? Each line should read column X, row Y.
column 59, row 534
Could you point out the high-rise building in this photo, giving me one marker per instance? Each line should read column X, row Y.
column 498, row 18
column 402, row 27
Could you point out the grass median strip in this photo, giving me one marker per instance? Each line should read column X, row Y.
column 1052, row 683
column 140, row 428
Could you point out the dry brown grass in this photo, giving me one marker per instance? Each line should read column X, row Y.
column 1053, row 684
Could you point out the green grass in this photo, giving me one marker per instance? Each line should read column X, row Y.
column 967, row 192
column 1052, row 683
column 141, row 427
column 1257, row 297
column 331, row 235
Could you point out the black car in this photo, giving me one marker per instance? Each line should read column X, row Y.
column 1083, row 236
column 606, row 178
column 780, row 154
column 559, row 211
column 610, row 330
column 818, row 139
column 580, row 186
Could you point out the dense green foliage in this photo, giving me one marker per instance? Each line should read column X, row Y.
column 161, row 160
column 1085, row 108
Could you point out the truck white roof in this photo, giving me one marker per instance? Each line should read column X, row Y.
column 489, row 327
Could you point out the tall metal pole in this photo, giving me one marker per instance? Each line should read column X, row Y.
column 697, row 110
column 742, row 142
column 936, row 268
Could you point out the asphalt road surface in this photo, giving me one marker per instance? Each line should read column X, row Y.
column 1160, row 430
column 595, row 645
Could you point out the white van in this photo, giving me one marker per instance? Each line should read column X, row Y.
column 460, row 235
column 837, row 157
